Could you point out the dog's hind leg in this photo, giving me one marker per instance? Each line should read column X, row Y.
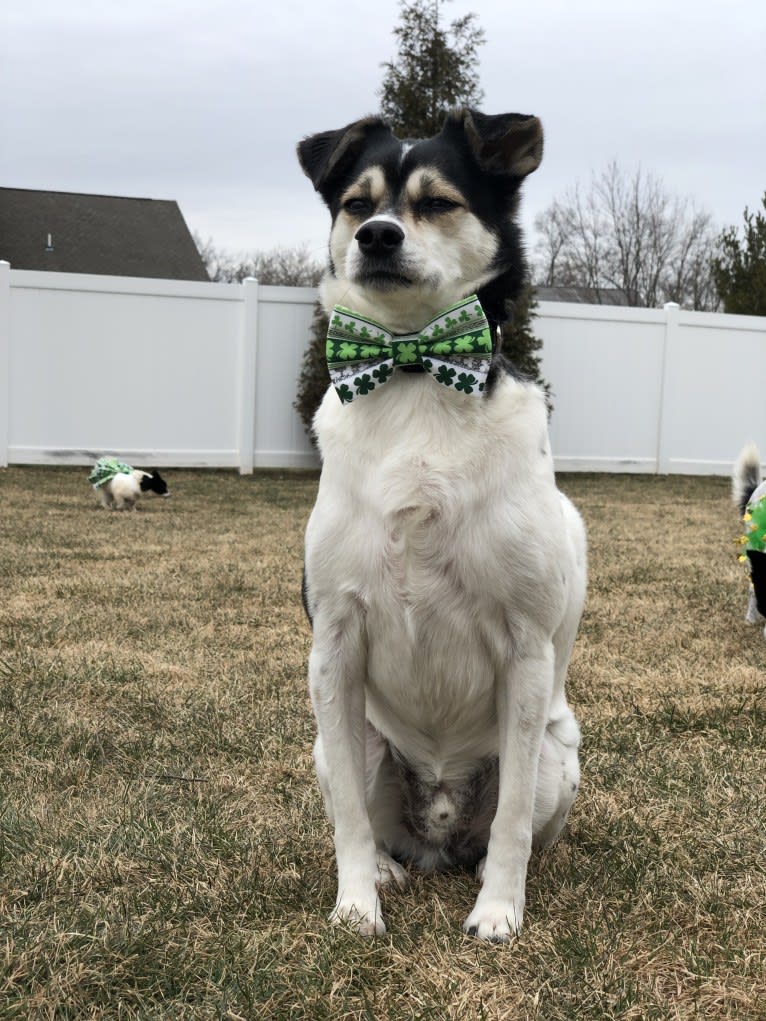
column 105, row 497
column 558, row 778
column 337, row 672
column 559, row 769
column 383, row 797
column 384, row 805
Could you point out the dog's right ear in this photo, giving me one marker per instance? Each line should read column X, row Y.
column 506, row 143
column 327, row 156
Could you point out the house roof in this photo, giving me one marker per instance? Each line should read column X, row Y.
column 583, row 295
column 66, row 232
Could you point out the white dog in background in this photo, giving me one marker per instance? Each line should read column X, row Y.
column 445, row 573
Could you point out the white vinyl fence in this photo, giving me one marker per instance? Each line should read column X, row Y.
column 652, row 390
column 175, row 374
column 159, row 372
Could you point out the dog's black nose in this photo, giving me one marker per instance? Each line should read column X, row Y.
column 379, row 237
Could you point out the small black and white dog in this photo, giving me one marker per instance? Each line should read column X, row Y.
column 119, row 486
column 445, row 574
column 749, row 495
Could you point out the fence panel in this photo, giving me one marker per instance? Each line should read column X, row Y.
column 284, row 329
column 605, row 369
column 145, row 369
column 714, row 391
column 194, row 374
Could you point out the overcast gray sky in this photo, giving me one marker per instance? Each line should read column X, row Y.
column 204, row 101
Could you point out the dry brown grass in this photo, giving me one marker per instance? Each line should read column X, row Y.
column 163, row 852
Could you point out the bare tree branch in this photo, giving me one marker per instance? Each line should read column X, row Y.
column 628, row 234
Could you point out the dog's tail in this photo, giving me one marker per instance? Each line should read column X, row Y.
column 746, row 476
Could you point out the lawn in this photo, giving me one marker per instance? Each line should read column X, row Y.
column 163, row 850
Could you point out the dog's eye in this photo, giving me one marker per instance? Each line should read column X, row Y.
column 358, row 207
column 435, row 204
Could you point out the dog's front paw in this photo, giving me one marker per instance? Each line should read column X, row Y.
column 366, row 919
column 496, row 921
column 390, row 872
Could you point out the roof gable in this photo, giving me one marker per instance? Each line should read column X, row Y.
column 68, row 232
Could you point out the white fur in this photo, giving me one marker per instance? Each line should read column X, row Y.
column 122, row 492
column 447, row 576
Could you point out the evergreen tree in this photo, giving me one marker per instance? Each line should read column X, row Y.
column 519, row 344
column 739, row 269
column 314, row 377
column 435, row 70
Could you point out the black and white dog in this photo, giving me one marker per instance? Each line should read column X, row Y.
column 120, row 486
column 749, row 495
column 445, row 573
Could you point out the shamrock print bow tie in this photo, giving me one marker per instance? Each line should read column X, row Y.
column 455, row 348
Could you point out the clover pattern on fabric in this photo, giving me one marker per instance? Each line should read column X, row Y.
column 466, row 382
column 445, row 375
column 346, row 350
column 406, row 353
column 463, row 345
column 361, row 354
column 364, row 384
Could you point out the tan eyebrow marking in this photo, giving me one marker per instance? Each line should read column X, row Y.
column 427, row 182
column 371, row 185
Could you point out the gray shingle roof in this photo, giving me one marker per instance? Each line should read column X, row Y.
column 583, row 295
column 101, row 234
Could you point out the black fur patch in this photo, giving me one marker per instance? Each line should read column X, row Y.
column 153, row 483
column 305, row 598
column 474, row 801
column 758, row 576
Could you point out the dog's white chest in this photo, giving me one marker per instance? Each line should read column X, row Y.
column 422, row 519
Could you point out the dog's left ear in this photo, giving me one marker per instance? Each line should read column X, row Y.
column 504, row 143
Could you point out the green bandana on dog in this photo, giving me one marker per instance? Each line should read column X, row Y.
column 455, row 348
column 105, row 470
column 755, row 524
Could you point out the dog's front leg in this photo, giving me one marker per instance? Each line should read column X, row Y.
column 523, row 700
column 336, row 681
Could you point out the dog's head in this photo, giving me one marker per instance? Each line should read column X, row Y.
column 418, row 225
column 153, row 482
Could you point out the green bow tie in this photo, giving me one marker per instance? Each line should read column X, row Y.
column 455, row 348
